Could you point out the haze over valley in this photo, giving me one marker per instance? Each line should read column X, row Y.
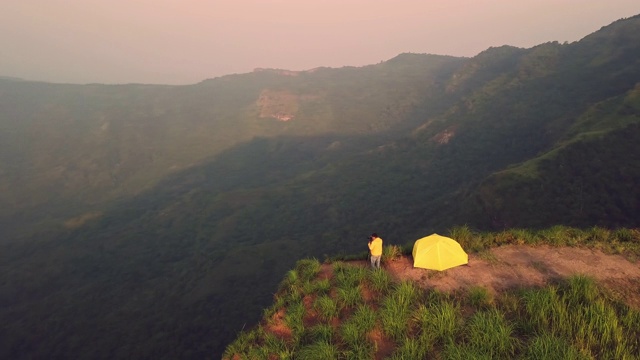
column 156, row 221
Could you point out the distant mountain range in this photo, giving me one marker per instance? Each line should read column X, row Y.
column 154, row 221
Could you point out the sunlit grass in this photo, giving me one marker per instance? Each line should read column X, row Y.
column 322, row 286
column 409, row 348
column 547, row 346
column 544, row 309
column 487, row 332
column 354, row 330
column 464, row 352
column 294, row 318
column 358, row 351
column 437, row 323
column 349, row 297
column 320, row 332
column 321, row 350
column 308, row 268
column 275, row 346
column 326, row 307
column 391, row 253
column 479, row 297
column 379, row 280
column 468, row 239
column 572, row 319
column 396, row 309
column 364, row 317
column 348, row 276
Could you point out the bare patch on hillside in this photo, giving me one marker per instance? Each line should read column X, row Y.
column 445, row 136
column 281, row 104
column 78, row 221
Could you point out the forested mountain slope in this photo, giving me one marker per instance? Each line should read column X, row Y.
column 155, row 221
column 69, row 150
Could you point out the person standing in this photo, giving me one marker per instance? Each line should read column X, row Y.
column 375, row 248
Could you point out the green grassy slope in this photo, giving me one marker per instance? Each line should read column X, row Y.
column 347, row 311
column 71, row 149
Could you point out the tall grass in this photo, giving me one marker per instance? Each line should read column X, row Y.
column 580, row 290
column 573, row 319
column 464, row 352
column 525, row 236
column 349, row 297
column 308, row 268
column 316, row 333
column 630, row 320
column 275, row 346
column 437, row 323
column 489, row 333
column 326, row 307
column 364, row 317
column 379, row 280
column 479, row 297
column 396, row 310
column 391, row 253
column 241, row 345
column 560, row 235
column 547, row 346
column 359, row 351
column 409, row 348
column 348, row 276
column 322, row 286
column 599, row 234
column 467, row 238
column 294, row 318
column 354, row 334
column 317, row 287
column 544, row 310
column 578, row 312
column 321, row 350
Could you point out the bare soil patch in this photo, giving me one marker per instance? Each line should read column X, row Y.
column 515, row 266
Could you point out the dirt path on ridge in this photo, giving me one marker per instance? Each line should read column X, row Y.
column 514, row 266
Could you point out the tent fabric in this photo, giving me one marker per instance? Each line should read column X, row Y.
column 438, row 252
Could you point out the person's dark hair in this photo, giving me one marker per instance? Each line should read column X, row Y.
column 374, row 235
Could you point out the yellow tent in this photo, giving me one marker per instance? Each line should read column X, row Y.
column 438, row 253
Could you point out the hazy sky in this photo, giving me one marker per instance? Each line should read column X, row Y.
column 186, row 41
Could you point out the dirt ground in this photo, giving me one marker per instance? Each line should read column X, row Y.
column 514, row 266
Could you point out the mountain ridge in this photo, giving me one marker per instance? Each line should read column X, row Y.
column 403, row 147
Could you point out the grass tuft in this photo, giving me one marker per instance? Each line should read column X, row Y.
column 479, row 297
